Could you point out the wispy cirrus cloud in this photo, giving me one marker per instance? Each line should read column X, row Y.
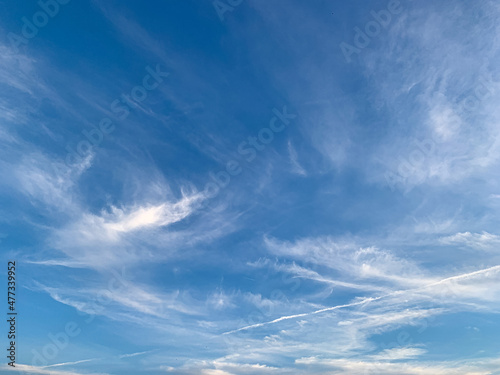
column 399, row 353
column 431, row 105
column 296, row 167
column 70, row 363
column 309, row 262
column 415, row 298
column 477, row 241
column 125, row 297
column 360, row 367
column 43, row 371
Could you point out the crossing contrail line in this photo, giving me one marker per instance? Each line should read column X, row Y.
column 366, row 300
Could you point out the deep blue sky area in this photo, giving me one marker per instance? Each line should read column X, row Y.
column 237, row 187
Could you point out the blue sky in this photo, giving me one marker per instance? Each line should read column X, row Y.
column 252, row 187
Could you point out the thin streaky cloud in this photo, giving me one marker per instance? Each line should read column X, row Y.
column 71, row 363
column 156, row 192
column 369, row 299
column 134, row 354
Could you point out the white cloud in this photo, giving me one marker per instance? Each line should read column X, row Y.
column 411, row 287
column 306, row 273
column 223, row 367
column 220, row 300
column 151, row 216
column 363, row 367
column 398, row 353
column 47, row 183
column 430, row 98
column 70, row 363
column 125, row 297
column 43, row 371
column 133, row 354
column 351, row 260
column 386, row 321
column 444, row 121
column 114, row 238
column 296, row 167
column 478, row 241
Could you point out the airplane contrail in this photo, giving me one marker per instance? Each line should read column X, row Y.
column 71, row 363
column 366, row 300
